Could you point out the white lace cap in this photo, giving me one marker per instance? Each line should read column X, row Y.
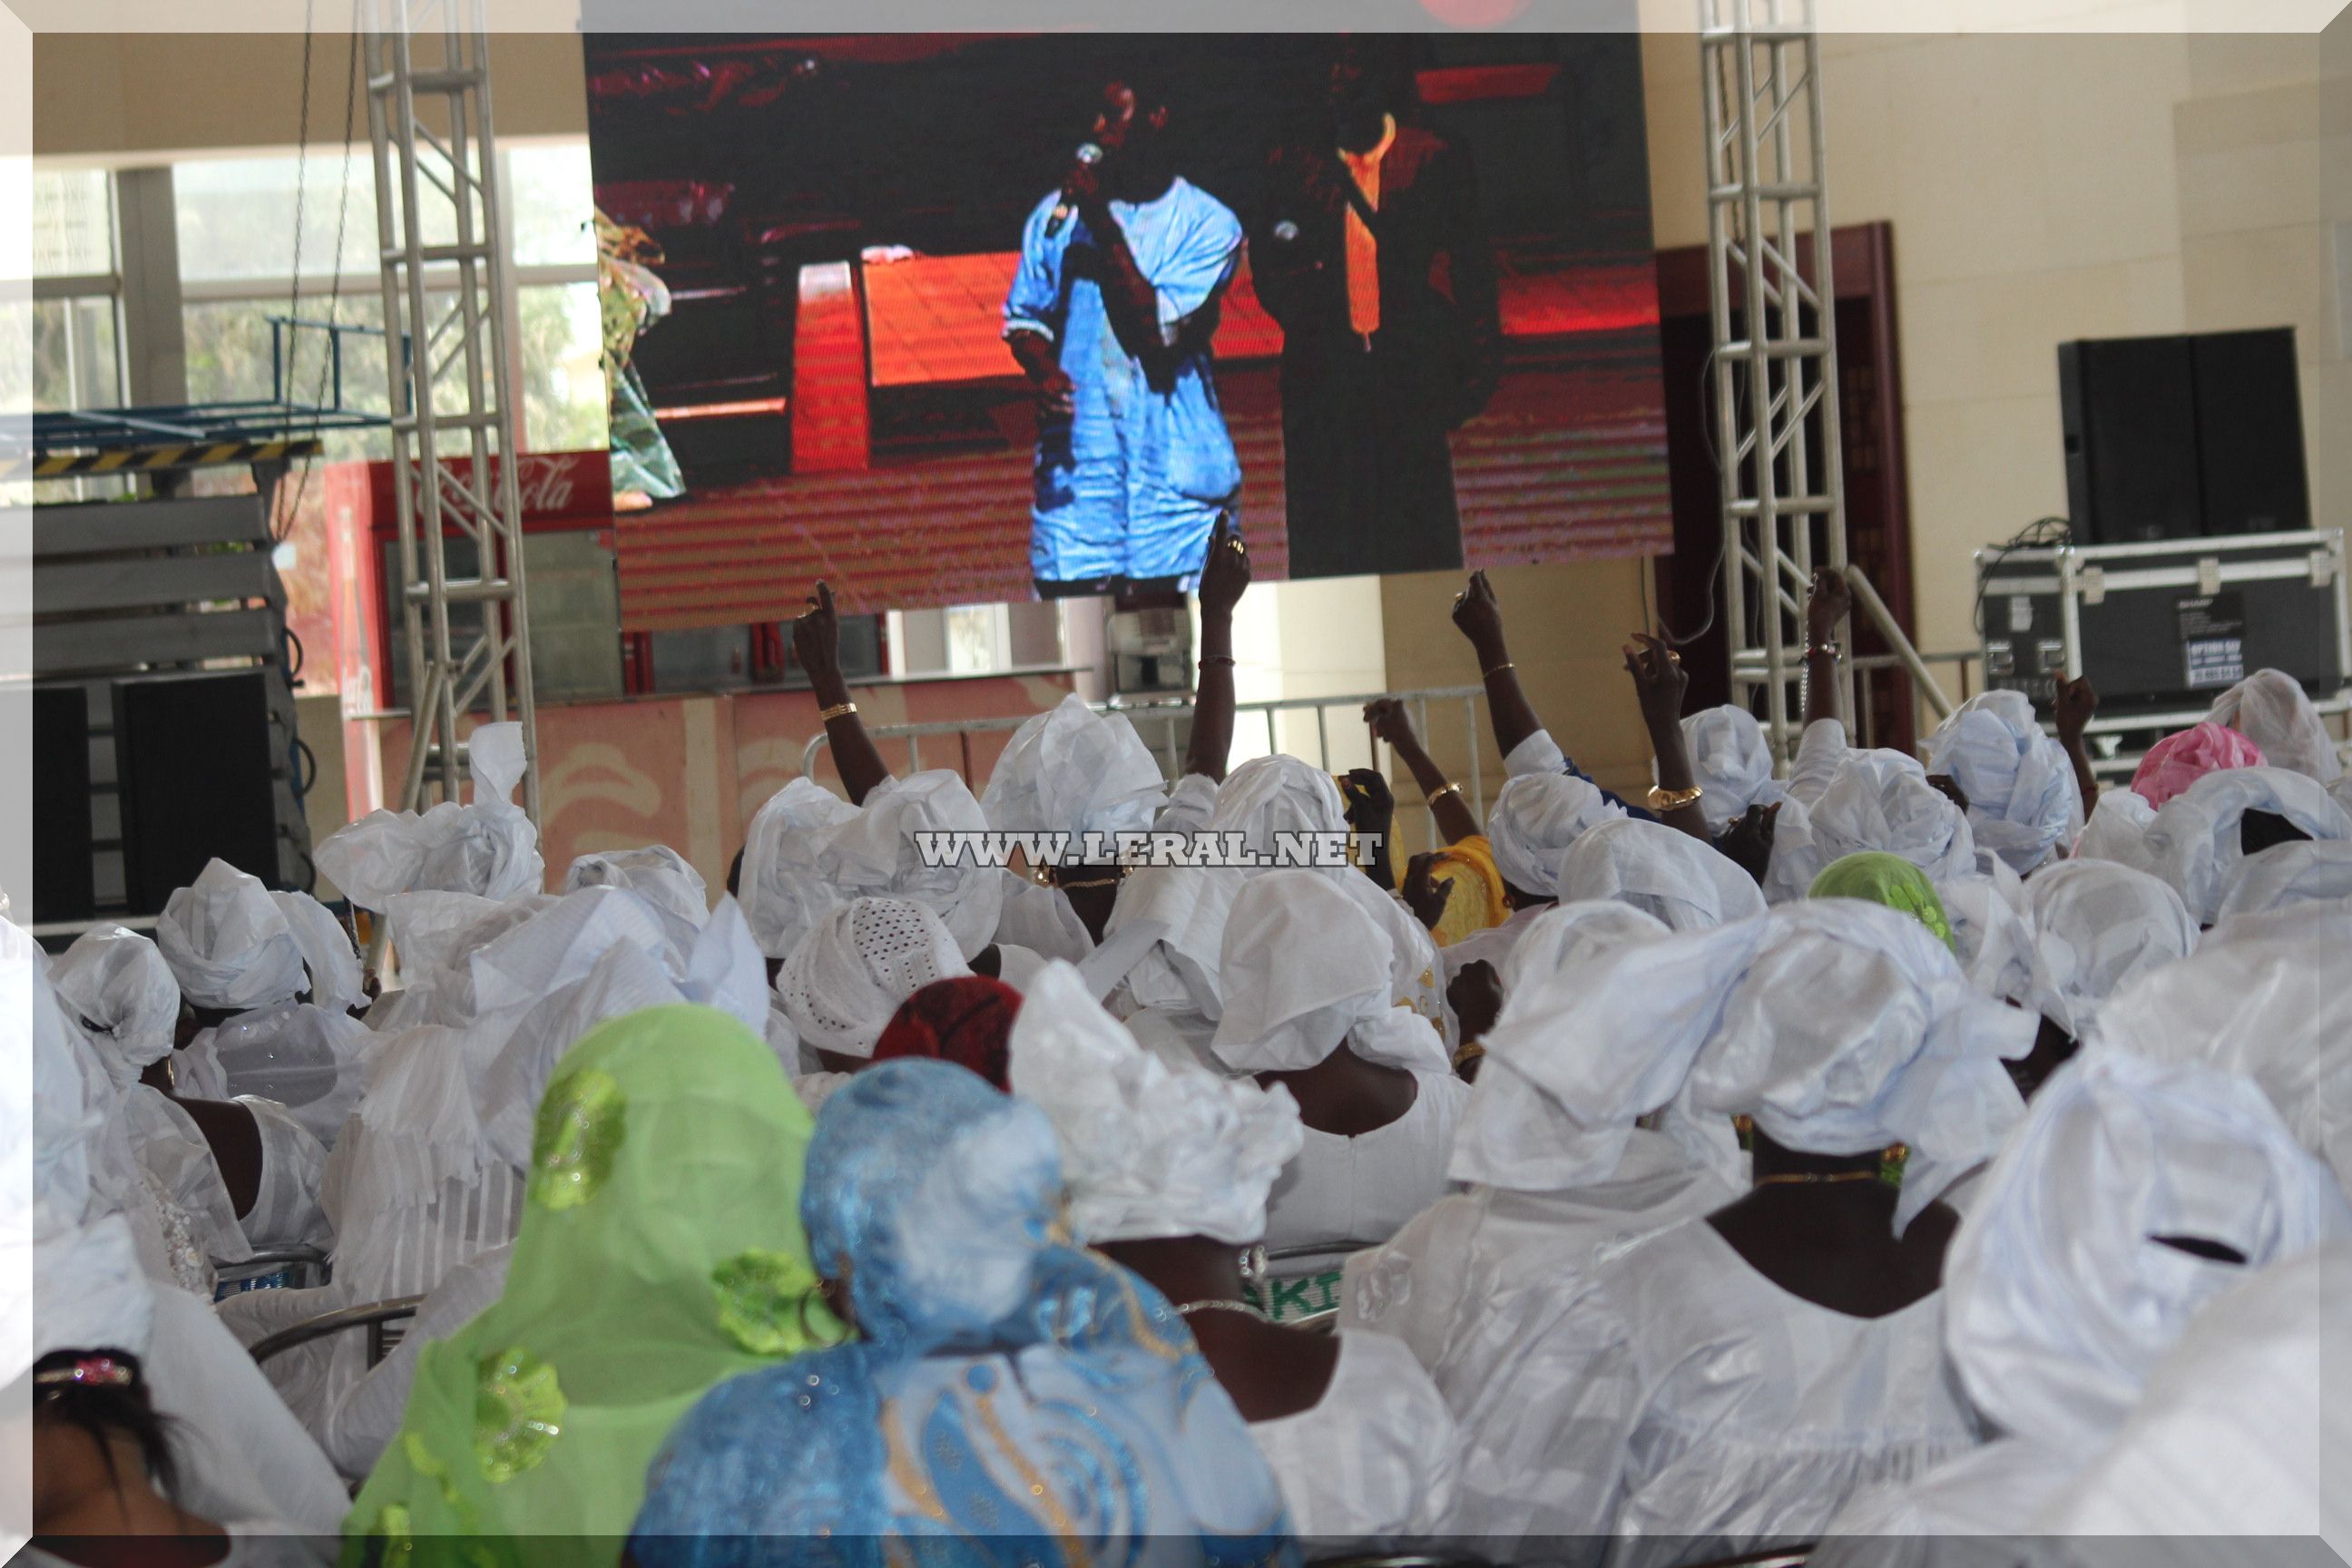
column 848, row 976
column 116, row 983
column 1660, row 870
column 2098, row 926
column 782, row 888
column 1072, row 770
column 2023, row 802
column 1534, row 819
column 1148, row 1149
column 2270, row 708
column 228, row 944
column 1303, row 968
column 2058, row 1298
column 327, row 951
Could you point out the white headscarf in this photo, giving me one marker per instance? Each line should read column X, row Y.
column 2319, row 871
column 1881, row 800
column 327, row 951
column 2117, row 830
column 783, row 890
column 2278, row 1011
column 88, row 1293
column 1660, row 870
column 552, row 949
column 877, row 854
column 2194, row 842
column 1731, row 760
column 1535, row 818
column 2270, row 708
column 1072, row 770
column 1148, row 1149
column 1304, row 968
column 2098, row 926
column 2023, row 802
column 116, row 985
column 842, row 984
column 1516, row 1132
column 1993, row 939
column 1279, row 794
column 656, row 873
column 2058, row 1298
column 228, row 944
column 487, row 847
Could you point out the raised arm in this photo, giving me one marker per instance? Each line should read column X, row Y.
column 1225, row 576
column 817, row 643
column 1659, row 682
column 2075, row 706
column 1827, row 605
column 1391, row 723
column 1479, row 617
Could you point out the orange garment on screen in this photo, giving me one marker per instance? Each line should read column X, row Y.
column 1364, row 251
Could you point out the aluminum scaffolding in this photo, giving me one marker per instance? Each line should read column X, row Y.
column 1775, row 349
column 453, row 384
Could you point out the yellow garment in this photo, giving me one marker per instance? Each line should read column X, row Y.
column 1477, row 902
column 1364, row 251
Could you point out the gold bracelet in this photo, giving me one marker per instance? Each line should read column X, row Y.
column 1444, row 789
column 838, row 710
column 1664, row 800
column 1490, row 674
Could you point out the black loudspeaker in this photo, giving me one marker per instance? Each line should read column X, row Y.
column 195, row 759
column 62, row 882
column 2183, row 437
column 2250, row 432
column 2130, row 411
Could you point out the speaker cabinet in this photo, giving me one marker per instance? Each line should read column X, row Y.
column 63, row 884
column 2250, row 432
column 197, row 778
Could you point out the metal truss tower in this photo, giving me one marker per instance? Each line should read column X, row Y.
column 453, row 384
column 1774, row 345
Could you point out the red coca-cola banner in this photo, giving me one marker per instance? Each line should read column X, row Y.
column 558, row 490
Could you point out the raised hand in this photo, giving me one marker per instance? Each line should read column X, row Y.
column 1827, row 604
column 2075, row 704
column 1748, row 842
column 1659, row 680
column 1424, row 894
column 1479, row 615
column 816, row 637
column 1225, row 571
column 1390, row 721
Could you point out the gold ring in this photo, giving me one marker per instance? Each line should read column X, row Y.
column 1672, row 657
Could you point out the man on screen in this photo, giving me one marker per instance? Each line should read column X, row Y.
column 1110, row 314
column 1373, row 258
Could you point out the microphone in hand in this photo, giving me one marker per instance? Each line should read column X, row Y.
column 1081, row 181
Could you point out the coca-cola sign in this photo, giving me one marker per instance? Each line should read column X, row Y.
column 557, row 489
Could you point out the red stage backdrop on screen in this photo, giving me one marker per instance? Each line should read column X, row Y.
column 1389, row 301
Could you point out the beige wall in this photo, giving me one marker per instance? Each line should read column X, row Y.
column 118, row 96
column 2047, row 188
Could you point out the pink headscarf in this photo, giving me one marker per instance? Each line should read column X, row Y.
column 2178, row 761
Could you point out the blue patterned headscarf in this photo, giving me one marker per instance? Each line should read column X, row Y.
column 1010, row 1399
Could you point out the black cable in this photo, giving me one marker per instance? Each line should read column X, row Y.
column 1723, row 548
column 2043, row 533
column 343, row 218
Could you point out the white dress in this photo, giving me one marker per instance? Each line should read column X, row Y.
column 1681, row 1401
column 368, row 1415
column 1377, row 1457
column 1455, row 1284
column 311, row 1060
column 1343, row 1195
column 285, row 1212
column 1491, row 945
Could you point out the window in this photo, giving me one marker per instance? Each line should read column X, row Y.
column 77, row 315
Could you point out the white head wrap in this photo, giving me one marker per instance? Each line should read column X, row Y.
column 2023, row 802
column 1731, row 760
column 783, row 890
column 327, row 951
column 88, row 1293
column 116, row 985
column 2270, row 708
column 1304, row 968
column 2117, row 830
column 227, row 944
column 487, row 847
column 524, row 962
column 848, row 976
column 1659, row 870
column 2098, row 926
column 1072, row 770
column 1560, row 932
column 656, row 873
column 1178, row 913
column 2284, row 875
column 1516, row 1133
column 2194, row 842
column 1881, row 800
column 1280, row 794
column 1148, row 1149
column 877, row 854
column 725, row 970
column 2278, row 1011
column 1535, row 818
column 2058, row 1298
column 1994, row 939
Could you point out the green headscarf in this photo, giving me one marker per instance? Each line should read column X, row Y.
column 1890, row 880
column 659, row 1254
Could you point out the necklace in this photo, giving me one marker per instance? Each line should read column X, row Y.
column 1246, row 1308
column 1815, row 1178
